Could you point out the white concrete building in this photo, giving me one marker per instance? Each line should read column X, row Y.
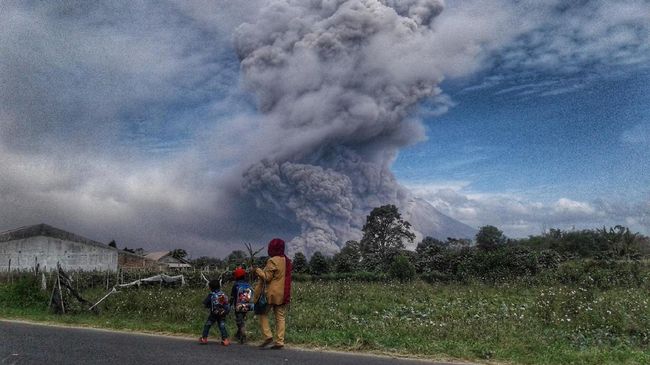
column 166, row 261
column 43, row 245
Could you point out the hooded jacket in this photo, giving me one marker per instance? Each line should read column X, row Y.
column 276, row 274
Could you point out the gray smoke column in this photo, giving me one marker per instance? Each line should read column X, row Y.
column 338, row 80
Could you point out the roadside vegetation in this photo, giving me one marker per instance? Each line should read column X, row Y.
column 524, row 322
column 564, row 297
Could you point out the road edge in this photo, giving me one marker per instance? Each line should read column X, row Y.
column 176, row 336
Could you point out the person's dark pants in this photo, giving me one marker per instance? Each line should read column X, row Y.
column 220, row 321
column 240, row 319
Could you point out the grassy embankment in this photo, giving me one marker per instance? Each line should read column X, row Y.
column 517, row 323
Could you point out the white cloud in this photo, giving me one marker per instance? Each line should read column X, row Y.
column 520, row 216
column 568, row 206
column 577, row 42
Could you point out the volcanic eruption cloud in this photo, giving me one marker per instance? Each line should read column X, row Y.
column 336, row 82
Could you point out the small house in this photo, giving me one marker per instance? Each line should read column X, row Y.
column 166, row 261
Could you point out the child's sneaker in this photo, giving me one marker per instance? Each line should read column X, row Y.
column 225, row 342
column 203, row 340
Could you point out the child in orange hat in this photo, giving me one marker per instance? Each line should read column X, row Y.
column 241, row 298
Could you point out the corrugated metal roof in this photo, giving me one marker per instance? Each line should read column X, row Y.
column 47, row 231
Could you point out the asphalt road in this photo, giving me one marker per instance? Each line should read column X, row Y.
column 22, row 343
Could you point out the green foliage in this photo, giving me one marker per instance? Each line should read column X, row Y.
column 25, row 291
column 178, row 253
column 300, row 265
column 427, row 253
column 384, row 234
column 348, row 259
column 622, row 243
column 489, row 238
column 513, row 322
column 602, row 274
column 236, row 258
column 360, row 276
column 505, row 262
column 318, row 264
column 209, row 262
column 614, row 243
column 402, row 269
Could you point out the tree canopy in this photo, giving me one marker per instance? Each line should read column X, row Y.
column 178, row 253
column 489, row 237
column 384, row 235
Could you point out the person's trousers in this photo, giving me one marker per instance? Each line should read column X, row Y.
column 279, row 312
column 240, row 319
column 220, row 321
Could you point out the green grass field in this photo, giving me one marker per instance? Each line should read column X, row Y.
column 505, row 323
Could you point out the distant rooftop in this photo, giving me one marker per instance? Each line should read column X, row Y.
column 157, row 255
column 47, row 231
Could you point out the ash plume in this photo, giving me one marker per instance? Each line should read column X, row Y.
column 338, row 80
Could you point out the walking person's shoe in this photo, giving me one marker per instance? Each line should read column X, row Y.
column 203, row 340
column 277, row 346
column 266, row 342
column 225, row 342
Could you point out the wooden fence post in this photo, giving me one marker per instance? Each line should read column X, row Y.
column 58, row 281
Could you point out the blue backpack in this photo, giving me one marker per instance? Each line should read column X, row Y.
column 244, row 300
column 219, row 303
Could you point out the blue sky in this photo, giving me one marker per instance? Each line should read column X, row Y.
column 573, row 144
column 540, row 138
column 132, row 121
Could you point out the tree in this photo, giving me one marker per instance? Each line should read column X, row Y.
column 621, row 242
column 112, row 244
column 347, row 260
column 489, row 237
column 318, row 264
column 402, row 269
column 236, row 258
column 300, row 265
column 457, row 243
column 427, row 253
column 205, row 261
column 178, row 253
column 383, row 237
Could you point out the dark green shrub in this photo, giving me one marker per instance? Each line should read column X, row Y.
column 300, row 264
column 436, row 277
column 348, row 259
column 318, row 264
column 25, row 291
column 402, row 269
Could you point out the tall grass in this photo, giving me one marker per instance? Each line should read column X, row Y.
column 588, row 320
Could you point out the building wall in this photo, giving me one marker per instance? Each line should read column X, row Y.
column 47, row 251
